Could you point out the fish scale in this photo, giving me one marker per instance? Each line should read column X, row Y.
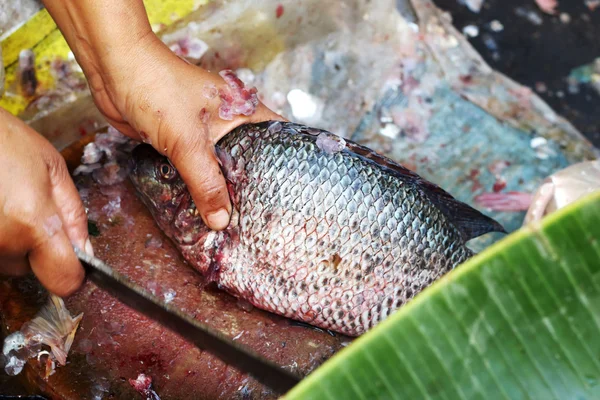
column 337, row 239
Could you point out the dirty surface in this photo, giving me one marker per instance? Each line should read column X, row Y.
column 115, row 344
column 540, row 50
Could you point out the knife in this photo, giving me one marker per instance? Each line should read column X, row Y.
column 190, row 329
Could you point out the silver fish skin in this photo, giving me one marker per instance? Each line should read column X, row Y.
column 323, row 230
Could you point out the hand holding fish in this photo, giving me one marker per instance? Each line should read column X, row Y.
column 149, row 93
column 41, row 214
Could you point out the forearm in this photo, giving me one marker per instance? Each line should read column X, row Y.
column 102, row 34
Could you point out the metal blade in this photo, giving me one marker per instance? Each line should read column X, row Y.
column 204, row 337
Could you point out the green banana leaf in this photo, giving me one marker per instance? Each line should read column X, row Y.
column 521, row 320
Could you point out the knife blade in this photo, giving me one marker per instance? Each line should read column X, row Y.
column 190, row 329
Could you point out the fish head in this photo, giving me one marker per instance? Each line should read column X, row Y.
column 161, row 189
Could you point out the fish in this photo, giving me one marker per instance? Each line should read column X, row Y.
column 323, row 230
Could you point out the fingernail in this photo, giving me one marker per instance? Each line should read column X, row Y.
column 218, row 220
column 88, row 248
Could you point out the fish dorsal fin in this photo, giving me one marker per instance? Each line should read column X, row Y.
column 467, row 220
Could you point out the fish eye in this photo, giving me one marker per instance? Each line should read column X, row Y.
column 166, row 171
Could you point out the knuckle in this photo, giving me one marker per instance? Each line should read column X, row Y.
column 75, row 217
column 182, row 147
column 57, row 168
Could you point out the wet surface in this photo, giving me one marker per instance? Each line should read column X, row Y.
column 537, row 49
column 115, row 344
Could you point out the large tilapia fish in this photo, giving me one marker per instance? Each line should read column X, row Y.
column 323, row 231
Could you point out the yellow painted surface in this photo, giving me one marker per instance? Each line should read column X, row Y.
column 41, row 35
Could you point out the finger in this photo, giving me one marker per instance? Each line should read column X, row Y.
column 200, row 171
column 69, row 205
column 54, row 263
column 14, row 266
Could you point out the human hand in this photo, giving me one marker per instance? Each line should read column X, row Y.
column 41, row 213
column 149, row 93
column 178, row 115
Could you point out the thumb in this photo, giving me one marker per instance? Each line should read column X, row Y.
column 53, row 260
column 69, row 206
column 198, row 166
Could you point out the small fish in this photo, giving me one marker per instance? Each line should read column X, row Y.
column 323, row 230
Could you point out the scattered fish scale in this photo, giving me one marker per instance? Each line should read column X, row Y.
column 338, row 237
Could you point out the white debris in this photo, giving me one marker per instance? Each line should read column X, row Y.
column 330, row 143
column 530, row 15
column 541, row 147
column 169, row 295
column 305, row 107
column 473, row 5
column 390, row 130
column 245, row 75
column 186, row 44
column 496, row 26
column 91, row 154
column 471, row 31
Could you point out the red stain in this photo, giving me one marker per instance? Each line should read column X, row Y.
column 473, row 177
column 204, row 115
column 279, row 11
column 499, row 185
column 466, row 79
column 82, row 131
column 148, row 360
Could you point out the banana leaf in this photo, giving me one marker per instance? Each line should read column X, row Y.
column 519, row 321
